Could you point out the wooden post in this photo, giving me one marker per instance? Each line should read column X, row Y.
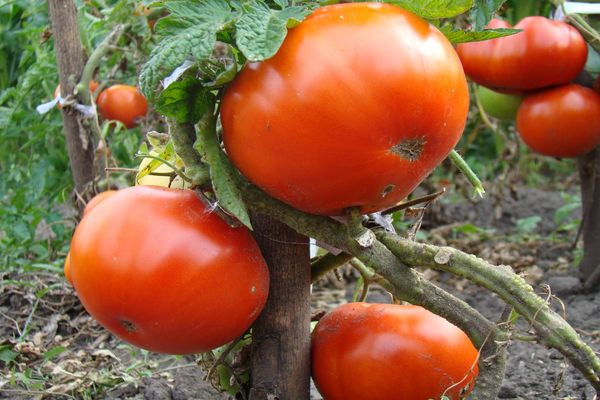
column 71, row 60
column 589, row 173
column 281, row 335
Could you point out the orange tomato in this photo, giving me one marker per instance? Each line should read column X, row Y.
column 122, row 103
column 357, row 107
column 160, row 271
column 561, row 122
column 388, row 351
column 545, row 53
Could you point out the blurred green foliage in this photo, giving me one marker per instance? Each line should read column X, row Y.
column 36, row 218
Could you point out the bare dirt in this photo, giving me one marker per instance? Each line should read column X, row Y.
column 50, row 348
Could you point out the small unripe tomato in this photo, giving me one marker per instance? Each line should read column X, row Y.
column 122, row 103
column 499, row 105
column 156, row 268
column 561, row 122
column 389, row 351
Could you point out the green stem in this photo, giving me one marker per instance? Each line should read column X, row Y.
column 326, row 263
column 94, row 61
column 462, row 165
column 184, row 137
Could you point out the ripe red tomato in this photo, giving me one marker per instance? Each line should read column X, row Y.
column 93, row 86
column 67, row 269
column 100, row 197
column 546, row 53
column 357, row 107
column 155, row 268
column 561, row 122
column 122, row 103
column 388, row 351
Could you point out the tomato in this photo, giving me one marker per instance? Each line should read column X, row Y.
column 499, row 105
column 561, row 122
column 122, row 103
column 93, row 86
column 545, row 53
column 158, row 270
column 388, row 351
column 357, row 107
column 67, row 269
column 100, row 197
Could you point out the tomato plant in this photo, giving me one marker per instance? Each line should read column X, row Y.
column 561, row 122
column 122, row 103
column 361, row 127
column 159, row 271
column 93, row 86
column 545, row 53
column 498, row 105
column 388, row 351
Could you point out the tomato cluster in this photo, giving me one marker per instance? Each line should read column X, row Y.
column 556, row 118
column 388, row 351
column 155, row 268
column 122, row 103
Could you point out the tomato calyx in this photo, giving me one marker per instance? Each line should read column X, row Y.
column 409, row 149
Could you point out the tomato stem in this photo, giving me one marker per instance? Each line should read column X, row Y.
column 463, row 167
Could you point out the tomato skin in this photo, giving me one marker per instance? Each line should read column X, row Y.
column 67, row 269
column 97, row 199
column 388, row 351
column 501, row 106
column 156, row 269
column 561, row 122
column 329, row 121
column 122, row 103
column 546, row 53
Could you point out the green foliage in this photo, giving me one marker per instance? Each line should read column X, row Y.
column 483, row 12
column 434, row 9
column 458, row 36
column 261, row 30
column 36, row 219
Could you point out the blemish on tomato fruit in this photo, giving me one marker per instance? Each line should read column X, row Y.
column 253, row 289
column 128, row 325
column 409, row 149
column 387, row 190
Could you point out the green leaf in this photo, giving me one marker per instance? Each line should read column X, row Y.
column 54, row 352
column 185, row 100
column 475, row 36
column 434, row 9
column 190, row 32
column 6, row 354
column 483, row 11
column 260, row 30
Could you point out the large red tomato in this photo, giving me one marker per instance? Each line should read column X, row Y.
column 546, row 53
column 561, row 122
column 357, row 107
column 387, row 351
column 155, row 268
column 122, row 103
